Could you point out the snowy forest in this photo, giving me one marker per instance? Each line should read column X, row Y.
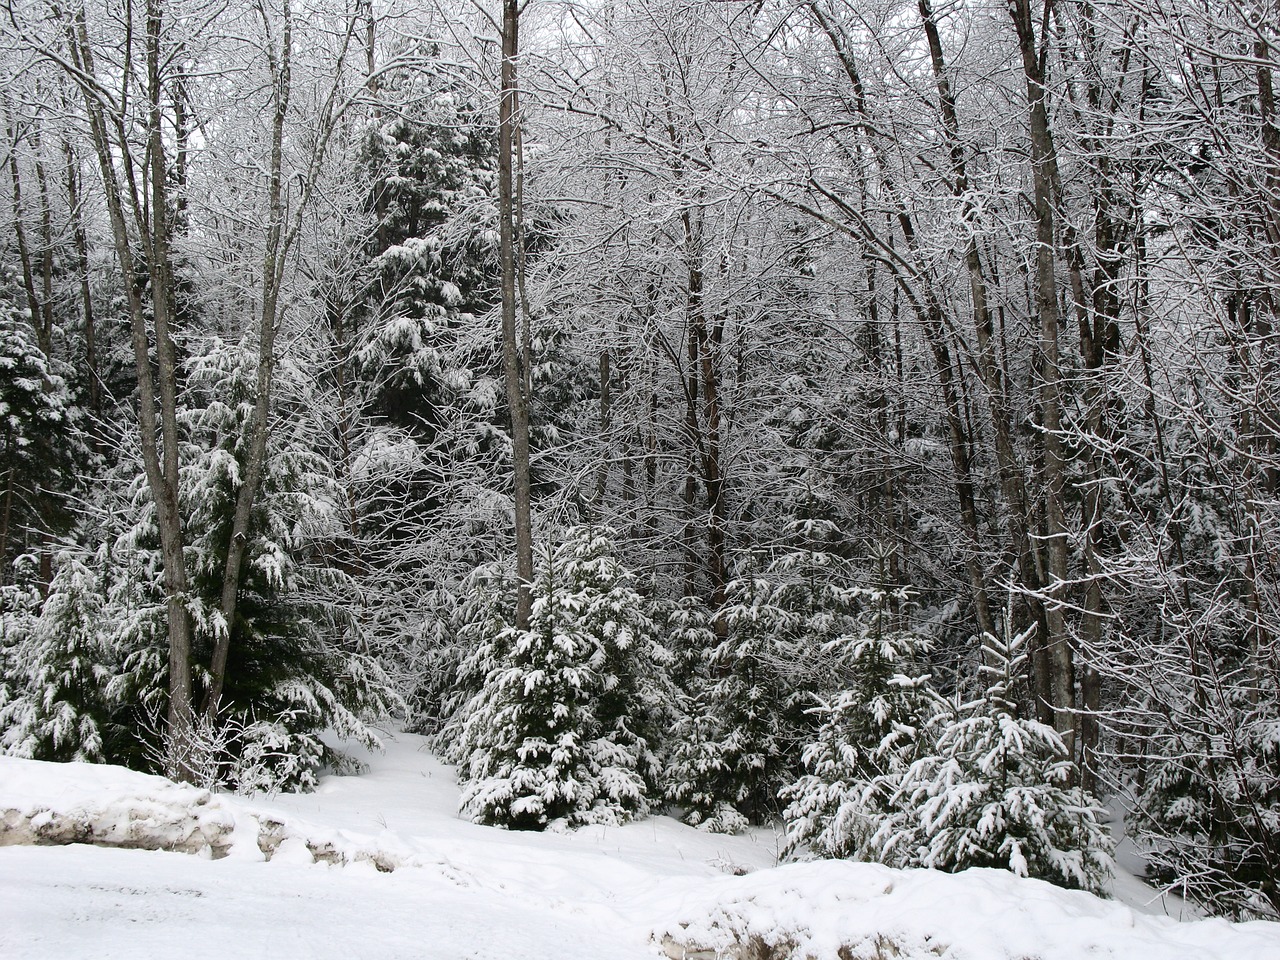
column 859, row 415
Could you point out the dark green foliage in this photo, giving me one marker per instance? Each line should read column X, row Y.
column 902, row 776
column 58, row 670
column 41, row 448
column 432, row 163
column 747, row 714
column 563, row 726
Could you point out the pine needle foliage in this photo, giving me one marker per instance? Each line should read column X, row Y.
column 561, row 730
column 999, row 789
column 774, row 650
column 61, row 712
column 909, row 778
column 870, row 734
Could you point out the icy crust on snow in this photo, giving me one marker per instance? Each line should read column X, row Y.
column 108, row 806
column 838, row 910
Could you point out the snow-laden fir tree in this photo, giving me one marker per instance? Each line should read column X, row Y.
column 431, row 159
column 62, row 710
column 747, row 704
column 1000, row 788
column 477, row 641
column 698, row 773
column 562, row 728
column 19, row 608
column 41, row 446
column 871, row 733
column 296, row 666
column 911, row 779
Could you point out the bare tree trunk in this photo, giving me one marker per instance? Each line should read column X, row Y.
column 704, row 343
column 81, row 242
column 602, row 472
column 24, row 249
column 517, row 396
column 1056, row 643
column 158, row 426
column 6, row 511
column 162, row 302
column 928, row 308
column 273, row 265
column 46, row 250
column 278, row 243
column 691, row 384
column 1012, row 482
column 1095, row 294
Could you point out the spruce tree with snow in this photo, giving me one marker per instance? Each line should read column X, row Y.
column 562, row 729
column 949, row 784
column 296, row 664
column 748, row 706
column 698, row 774
column 430, row 158
column 870, row 734
column 41, row 446
column 19, row 608
column 478, row 644
column 62, row 710
column 999, row 789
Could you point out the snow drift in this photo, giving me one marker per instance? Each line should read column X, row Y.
column 106, row 806
column 837, row 910
column 643, row 890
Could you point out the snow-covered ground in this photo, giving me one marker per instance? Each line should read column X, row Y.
column 399, row 875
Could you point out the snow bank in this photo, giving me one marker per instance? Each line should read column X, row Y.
column 108, row 806
column 610, row 893
column 51, row 803
column 837, row 910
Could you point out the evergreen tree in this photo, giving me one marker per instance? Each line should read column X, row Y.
column 62, row 710
column 562, row 728
column 870, row 735
column 298, row 664
column 431, row 161
column 999, row 789
column 476, row 643
column 748, row 704
column 1207, row 788
column 40, row 444
column 19, row 610
column 910, row 779
column 699, row 777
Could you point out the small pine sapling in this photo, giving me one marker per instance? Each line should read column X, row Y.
column 870, row 734
column 559, row 731
column 62, row 710
column 739, row 742
column 999, row 789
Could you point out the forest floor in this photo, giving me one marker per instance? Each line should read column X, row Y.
column 405, row 878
